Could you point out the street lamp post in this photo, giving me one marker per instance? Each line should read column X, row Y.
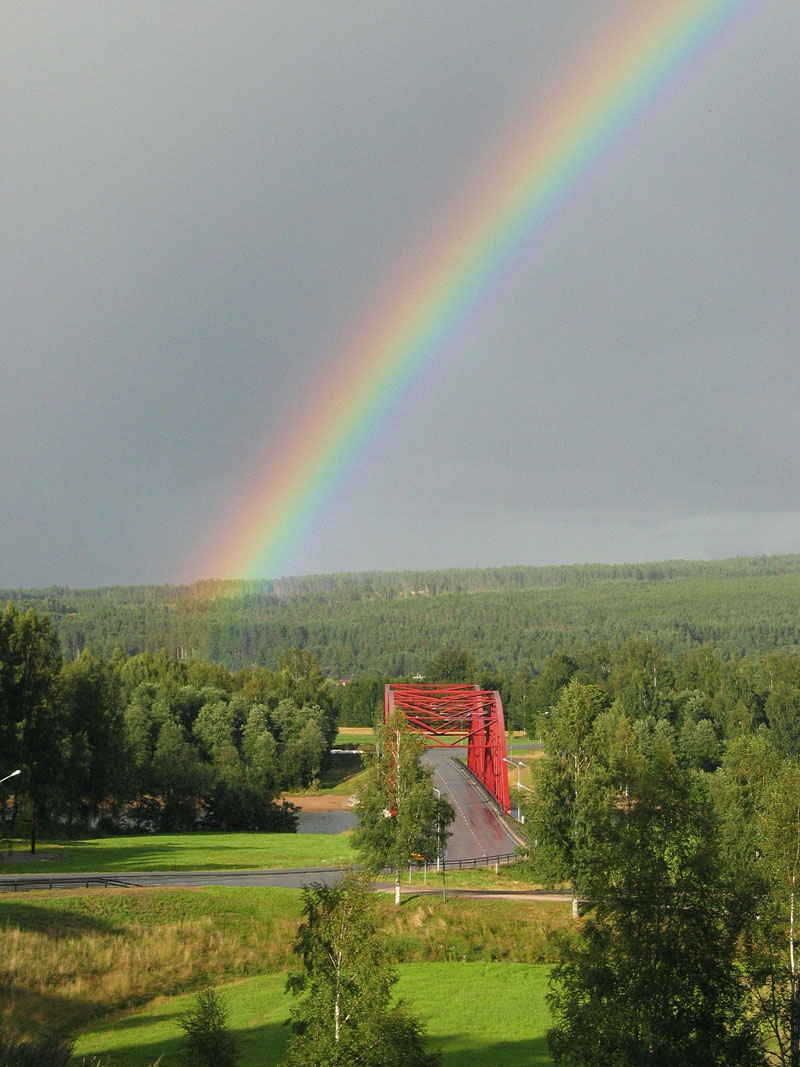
column 438, row 793
column 12, row 775
column 517, row 764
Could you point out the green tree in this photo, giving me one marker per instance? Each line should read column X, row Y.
column 345, row 1018
column 563, row 784
column 215, row 726
column 698, row 745
column 209, row 1039
column 89, row 692
column 700, row 669
column 300, row 678
column 642, row 680
column 360, row 702
column 260, row 750
column 783, row 714
column 30, row 657
column 399, row 816
column 545, row 688
column 775, row 955
column 452, row 665
column 179, row 776
column 652, row 977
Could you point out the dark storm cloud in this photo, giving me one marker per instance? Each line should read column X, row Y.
column 200, row 201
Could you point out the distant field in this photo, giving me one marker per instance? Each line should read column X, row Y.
column 351, row 738
column 355, row 735
column 477, row 1013
column 183, row 852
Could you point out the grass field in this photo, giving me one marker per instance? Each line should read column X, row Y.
column 476, row 1013
column 183, row 852
column 69, row 959
column 355, row 735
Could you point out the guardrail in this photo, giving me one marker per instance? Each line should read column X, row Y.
column 77, row 881
column 67, row 882
column 478, row 861
column 469, row 864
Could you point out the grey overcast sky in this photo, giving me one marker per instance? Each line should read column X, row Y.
column 200, row 200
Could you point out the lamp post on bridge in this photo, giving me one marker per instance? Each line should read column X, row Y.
column 517, row 764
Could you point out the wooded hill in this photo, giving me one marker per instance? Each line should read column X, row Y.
column 393, row 623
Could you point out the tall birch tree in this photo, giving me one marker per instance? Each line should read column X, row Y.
column 778, row 976
column 400, row 819
column 345, row 1018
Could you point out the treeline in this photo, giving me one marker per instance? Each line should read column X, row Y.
column 393, row 624
column 146, row 742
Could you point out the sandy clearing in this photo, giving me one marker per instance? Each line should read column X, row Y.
column 325, row 802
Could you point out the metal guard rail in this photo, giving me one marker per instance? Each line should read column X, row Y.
column 469, row 864
column 71, row 882
column 100, row 882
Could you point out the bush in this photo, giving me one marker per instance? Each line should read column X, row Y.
column 210, row 1042
column 34, row 1052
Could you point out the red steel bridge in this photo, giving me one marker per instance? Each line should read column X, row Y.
column 454, row 716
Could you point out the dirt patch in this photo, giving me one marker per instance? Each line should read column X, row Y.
column 327, row 802
column 357, row 731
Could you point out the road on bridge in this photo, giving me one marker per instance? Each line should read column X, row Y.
column 479, row 828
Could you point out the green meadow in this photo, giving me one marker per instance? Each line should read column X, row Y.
column 182, row 852
column 476, row 1013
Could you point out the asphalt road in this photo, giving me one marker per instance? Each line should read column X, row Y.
column 479, row 830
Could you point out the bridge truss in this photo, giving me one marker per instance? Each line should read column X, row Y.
column 456, row 715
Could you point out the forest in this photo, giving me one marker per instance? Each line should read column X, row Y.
column 149, row 743
column 154, row 741
column 392, row 624
column 668, row 798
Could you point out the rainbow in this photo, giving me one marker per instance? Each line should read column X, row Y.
column 493, row 236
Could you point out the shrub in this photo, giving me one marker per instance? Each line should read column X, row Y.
column 210, row 1042
column 34, row 1052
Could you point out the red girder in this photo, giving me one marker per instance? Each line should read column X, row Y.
column 452, row 715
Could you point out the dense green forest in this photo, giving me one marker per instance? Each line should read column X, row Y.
column 149, row 742
column 392, row 624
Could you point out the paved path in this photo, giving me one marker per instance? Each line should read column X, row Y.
column 289, row 878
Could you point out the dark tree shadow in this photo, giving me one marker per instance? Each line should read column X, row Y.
column 265, row 1046
column 259, row 1045
column 53, row 922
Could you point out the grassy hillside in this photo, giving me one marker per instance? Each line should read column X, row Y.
column 476, row 1013
column 72, row 960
